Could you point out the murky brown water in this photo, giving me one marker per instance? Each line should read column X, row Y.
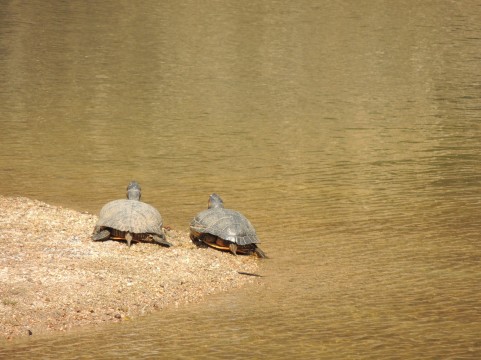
column 348, row 132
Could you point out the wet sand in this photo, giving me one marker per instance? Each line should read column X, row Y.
column 53, row 277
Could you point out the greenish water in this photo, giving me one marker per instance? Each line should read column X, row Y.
column 347, row 132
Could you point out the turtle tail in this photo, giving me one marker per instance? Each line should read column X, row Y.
column 128, row 237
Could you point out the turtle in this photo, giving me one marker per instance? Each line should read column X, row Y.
column 224, row 229
column 130, row 219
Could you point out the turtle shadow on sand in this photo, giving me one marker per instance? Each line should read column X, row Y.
column 130, row 220
column 224, row 229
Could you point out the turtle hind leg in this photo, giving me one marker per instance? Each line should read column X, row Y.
column 101, row 235
column 195, row 239
column 259, row 253
column 161, row 240
column 233, row 248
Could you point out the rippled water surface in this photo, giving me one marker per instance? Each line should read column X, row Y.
column 348, row 132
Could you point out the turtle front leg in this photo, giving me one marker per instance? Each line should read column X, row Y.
column 100, row 235
column 233, row 248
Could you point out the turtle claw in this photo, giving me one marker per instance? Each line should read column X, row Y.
column 101, row 235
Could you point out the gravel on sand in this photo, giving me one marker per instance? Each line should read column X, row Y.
column 53, row 277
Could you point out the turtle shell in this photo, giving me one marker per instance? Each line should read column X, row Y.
column 229, row 225
column 131, row 216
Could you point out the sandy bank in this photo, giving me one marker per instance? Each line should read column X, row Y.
column 53, row 277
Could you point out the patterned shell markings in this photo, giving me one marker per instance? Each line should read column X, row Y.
column 132, row 216
column 227, row 224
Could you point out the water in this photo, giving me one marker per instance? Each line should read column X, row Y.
column 348, row 132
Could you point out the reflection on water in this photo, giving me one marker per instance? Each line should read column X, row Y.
column 348, row 133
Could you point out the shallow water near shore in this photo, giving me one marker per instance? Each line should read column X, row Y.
column 348, row 133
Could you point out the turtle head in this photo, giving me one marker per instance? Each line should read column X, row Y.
column 215, row 202
column 133, row 191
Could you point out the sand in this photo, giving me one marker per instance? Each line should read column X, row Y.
column 53, row 277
